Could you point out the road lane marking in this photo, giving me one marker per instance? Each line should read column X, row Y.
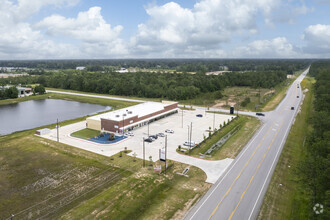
column 216, row 208
column 278, row 151
column 245, row 149
column 255, row 172
column 239, row 157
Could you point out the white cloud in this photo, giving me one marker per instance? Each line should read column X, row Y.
column 89, row 26
column 18, row 40
column 171, row 31
column 317, row 38
column 275, row 48
column 175, row 30
column 89, row 34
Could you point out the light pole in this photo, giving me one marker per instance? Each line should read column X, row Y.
column 148, row 127
column 188, row 133
column 213, row 119
column 58, row 138
column 165, row 152
column 237, row 107
column 123, row 124
column 144, row 153
column 190, row 137
column 182, row 119
column 124, row 121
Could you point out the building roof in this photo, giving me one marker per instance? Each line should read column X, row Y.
column 139, row 110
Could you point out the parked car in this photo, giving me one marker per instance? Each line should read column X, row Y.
column 153, row 136
column 161, row 135
column 297, row 96
column 199, row 115
column 169, row 131
column 188, row 143
column 129, row 134
column 260, row 114
column 148, row 140
column 292, row 108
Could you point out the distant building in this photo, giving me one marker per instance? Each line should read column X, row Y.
column 22, row 91
column 122, row 70
column 131, row 117
column 217, row 72
column 6, row 75
column 80, row 67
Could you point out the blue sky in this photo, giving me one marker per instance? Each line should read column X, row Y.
column 61, row 29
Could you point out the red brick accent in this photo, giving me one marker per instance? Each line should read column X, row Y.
column 109, row 125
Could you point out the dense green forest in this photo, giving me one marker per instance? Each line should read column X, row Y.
column 316, row 167
column 177, row 86
column 180, row 65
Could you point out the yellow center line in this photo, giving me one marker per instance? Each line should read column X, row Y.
column 254, row 173
column 216, row 208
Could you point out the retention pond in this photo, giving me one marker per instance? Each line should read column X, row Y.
column 36, row 113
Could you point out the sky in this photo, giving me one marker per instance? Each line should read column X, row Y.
column 108, row 29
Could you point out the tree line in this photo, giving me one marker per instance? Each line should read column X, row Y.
column 316, row 167
column 12, row 92
column 173, row 86
column 8, row 93
column 180, row 65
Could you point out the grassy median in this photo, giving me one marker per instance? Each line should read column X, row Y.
column 286, row 196
column 246, row 126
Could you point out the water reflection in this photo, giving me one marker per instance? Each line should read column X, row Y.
column 36, row 113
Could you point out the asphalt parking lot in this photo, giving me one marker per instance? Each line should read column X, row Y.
column 200, row 127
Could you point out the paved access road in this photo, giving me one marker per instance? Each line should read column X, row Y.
column 95, row 96
column 238, row 194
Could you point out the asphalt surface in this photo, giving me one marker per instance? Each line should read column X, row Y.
column 239, row 192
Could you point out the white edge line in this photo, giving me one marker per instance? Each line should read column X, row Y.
column 280, row 149
column 228, row 171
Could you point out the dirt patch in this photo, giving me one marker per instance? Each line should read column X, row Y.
column 269, row 92
column 220, row 104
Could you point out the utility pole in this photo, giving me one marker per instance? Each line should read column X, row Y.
column 165, row 152
column 144, row 153
column 237, row 107
column 58, row 138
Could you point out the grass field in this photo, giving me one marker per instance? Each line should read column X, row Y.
column 85, row 133
column 115, row 104
column 290, row 200
column 106, row 95
column 42, row 178
column 38, row 175
column 246, row 125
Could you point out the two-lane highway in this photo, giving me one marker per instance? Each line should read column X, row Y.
column 238, row 194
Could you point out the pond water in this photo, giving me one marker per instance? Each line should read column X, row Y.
column 36, row 113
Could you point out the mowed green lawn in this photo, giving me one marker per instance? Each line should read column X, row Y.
column 86, row 133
